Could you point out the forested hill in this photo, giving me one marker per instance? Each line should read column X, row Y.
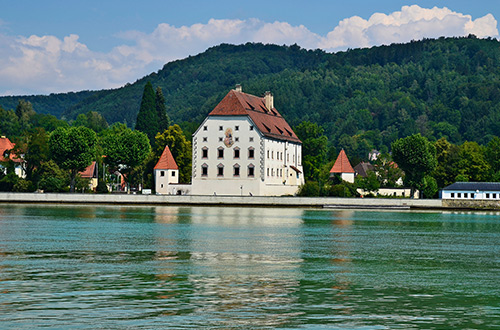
column 363, row 98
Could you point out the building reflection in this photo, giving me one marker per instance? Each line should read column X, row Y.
column 235, row 262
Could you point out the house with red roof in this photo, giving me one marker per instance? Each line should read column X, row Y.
column 245, row 147
column 166, row 173
column 91, row 174
column 6, row 155
column 343, row 167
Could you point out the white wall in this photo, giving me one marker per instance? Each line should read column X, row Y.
column 469, row 194
column 162, row 183
column 271, row 161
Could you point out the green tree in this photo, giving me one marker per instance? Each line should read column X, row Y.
column 370, row 183
column 9, row 123
column 180, row 148
column 416, row 156
column 388, row 173
column 34, row 147
column 24, row 111
column 314, row 148
column 147, row 118
column 73, row 149
column 493, row 154
column 447, row 158
column 161, row 111
column 124, row 149
column 472, row 162
column 52, row 178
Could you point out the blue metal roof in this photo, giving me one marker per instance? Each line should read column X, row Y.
column 482, row 186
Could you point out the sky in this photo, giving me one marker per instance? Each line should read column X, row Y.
column 57, row 46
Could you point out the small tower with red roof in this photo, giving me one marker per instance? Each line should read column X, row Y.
column 166, row 173
column 343, row 167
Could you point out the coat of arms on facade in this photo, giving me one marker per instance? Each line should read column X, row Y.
column 228, row 139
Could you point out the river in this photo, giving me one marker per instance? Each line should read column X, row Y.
column 121, row 267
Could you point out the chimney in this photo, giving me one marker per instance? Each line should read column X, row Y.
column 238, row 88
column 269, row 100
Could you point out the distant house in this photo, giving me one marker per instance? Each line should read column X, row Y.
column 166, row 172
column 91, row 173
column 245, row 147
column 472, row 190
column 6, row 156
column 343, row 167
column 363, row 168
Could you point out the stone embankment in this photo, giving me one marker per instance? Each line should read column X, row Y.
column 254, row 201
column 249, row 201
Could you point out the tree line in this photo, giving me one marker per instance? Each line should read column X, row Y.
column 54, row 151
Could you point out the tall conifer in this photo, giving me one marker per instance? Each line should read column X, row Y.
column 147, row 118
column 161, row 111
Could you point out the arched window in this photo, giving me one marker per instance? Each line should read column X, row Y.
column 236, row 170
column 204, row 170
column 220, row 170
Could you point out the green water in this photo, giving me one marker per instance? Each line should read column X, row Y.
column 65, row 267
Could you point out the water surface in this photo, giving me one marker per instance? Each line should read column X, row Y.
column 83, row 267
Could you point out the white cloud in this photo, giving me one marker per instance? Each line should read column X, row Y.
column 411, row 23
column 47, row 64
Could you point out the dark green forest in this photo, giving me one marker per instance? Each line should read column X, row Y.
column 362, row 98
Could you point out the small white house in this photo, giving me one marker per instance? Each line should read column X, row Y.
column 472, row 190
column 6, row 155
column 343, row 167
column 166, row 173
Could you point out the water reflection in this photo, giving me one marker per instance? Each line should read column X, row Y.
column 174, row 267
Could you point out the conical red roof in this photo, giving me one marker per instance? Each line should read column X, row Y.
column 342, row 164
column 166, row 161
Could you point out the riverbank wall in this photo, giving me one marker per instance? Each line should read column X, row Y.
column 242, row 201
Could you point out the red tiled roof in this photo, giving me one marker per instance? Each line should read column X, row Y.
column 89, row 171
column 342, row 164
column 269, row 122
column 166, row 161
column 6, row 145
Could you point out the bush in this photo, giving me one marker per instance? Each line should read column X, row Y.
column 101, row 188
column 309, row 189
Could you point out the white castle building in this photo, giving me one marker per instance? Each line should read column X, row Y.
column 245, row 147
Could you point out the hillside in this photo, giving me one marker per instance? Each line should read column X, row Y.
column 363, row 98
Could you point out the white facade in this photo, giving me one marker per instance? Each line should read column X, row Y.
column 472, row 190
column 232, row 157
column 164, row 181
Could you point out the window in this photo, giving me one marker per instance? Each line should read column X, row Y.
column 220, row 170
column 251, row 171
column 220, row 153
column 220, row 139
column 452, row 195
column 236, row 128
column 236, row 170
column 204, row 152
column 272, row 154
column 205, row 139
column 162, row 185
column 466, row 195
column 236, row 139
column 251, row 153
column 162, row 173
column 250, row 139
column 236, row 153
column 204, row 170
column 494, row 196
column 205, row 128
column 268, row 171
column 251, row 127
column 459, row 195
column 487, row 195
column 173, row 173
column 221, row 128
column 268, row 154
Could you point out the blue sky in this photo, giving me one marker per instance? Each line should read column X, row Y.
column 60, row 46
